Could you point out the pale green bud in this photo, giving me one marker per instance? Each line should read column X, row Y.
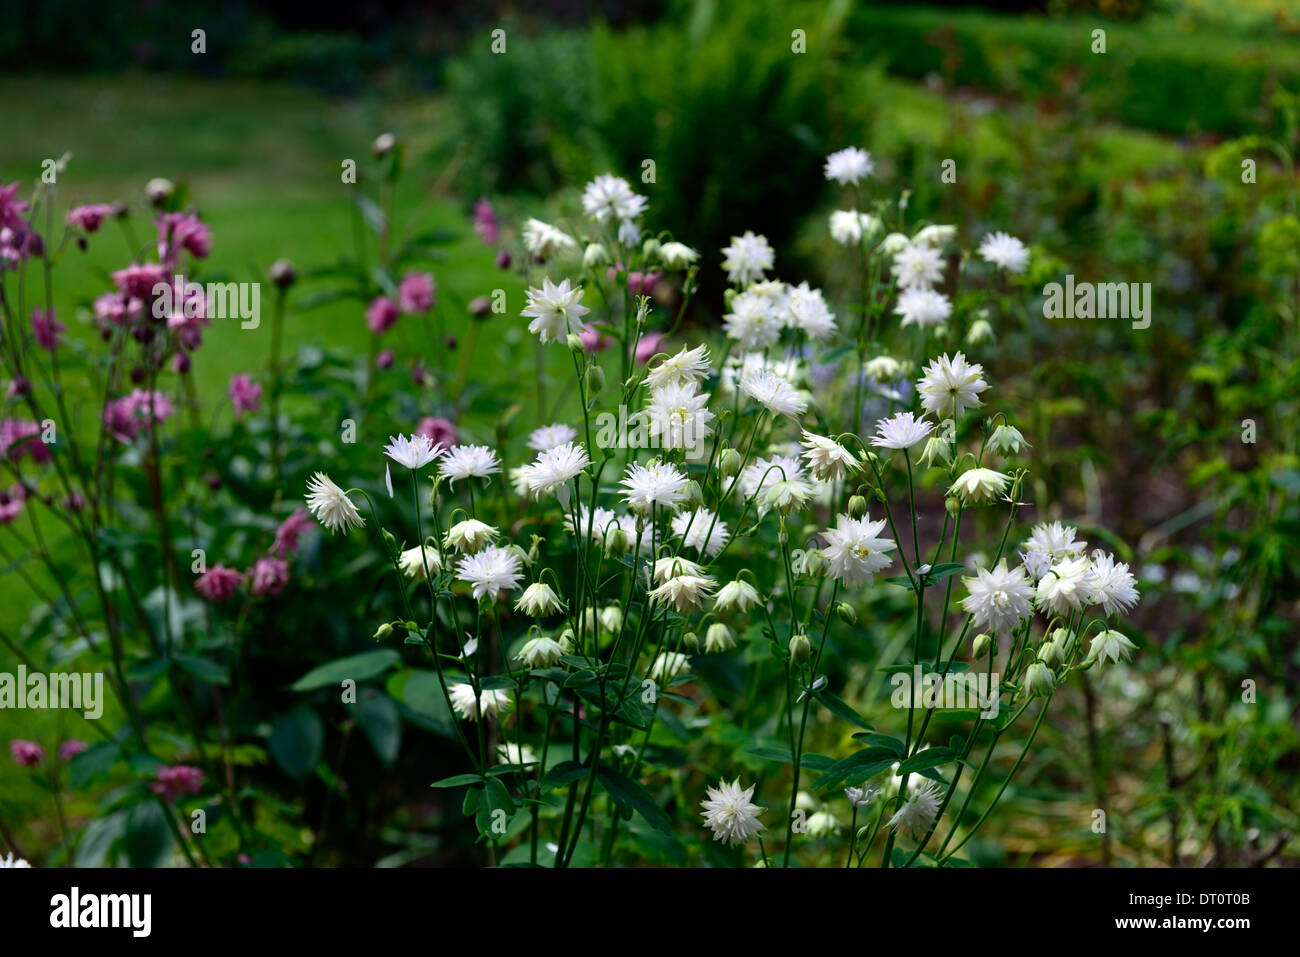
column 800, row 648
column 728, row 462
column 595, row 256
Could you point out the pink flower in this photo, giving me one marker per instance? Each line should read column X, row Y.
column 74, row 502
column 385, row 359
column 176, row 781
column 47, row 329
column 245, row 394
column 28, row 754
column 117, row 309
column 381, row 315
column 71, row 748
column 126, row 416
column 137, row 280
column 486, row 223
column 11, row 209
column 290, row 531
column 440, row 431
column 182, row 231
column 218, row 583
column 416, row 292
column 12, row 503
column 19, row 437
column 89, row 217
column 638, row 284
column 593, row 340
column 648, row 346
column 269, row 575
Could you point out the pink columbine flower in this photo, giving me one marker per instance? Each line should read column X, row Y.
column 486, row 223
column 415, row 294
column 385, row 359
column 648, row 346
column 27, row 754
column 269, row 575
column 138, row 279
column 218, row 583
column 245, row 394
column 381, row 315
column 127, row 416
column 176, row 781
column 12, row 503
column 638, row 283
column 11, row 209
column 182, row 231
column 440, row 431
column 89, row 217
column 593, row 340
column 71, row 748
column 19, row 437
column 288, row 535
column 47, row 329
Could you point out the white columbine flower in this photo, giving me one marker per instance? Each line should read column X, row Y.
column 849, row 167
column 917, row 267
column 848, row 225
column 809, row 313
column 544, row 240
column 730, row 815
column 773, row 393
column 1111, row 644
column 979, row 485
column 882, row 369
column 413, row 452
column 684, row 592
column 592, row 524
column 918, row 812
column 1055, row 540
column 490, row 571
column 998, row 600
column 538, row 601
column 679, row 416
column 901, row 431
column 667, row 666
column 1064, row 589
column 610, row 197
column 923, row 307
column 656, row 484
column 738, row 595
column 950, row 386
column 489, row 704
column 755, row 322
column 935, row 235
column 414, row 561
column 540, row 652
column 677, row 255
column 468, row 461
column 747, row 258
column 556, row 311
column 701, row 530
column 1006, row 251
column 331, row 505
column 555, row 467
column 470, row 535
column 672, row 566
column 1110, row 585
column 855, row 550
column 688, row 366
column 549, row 436
column 827, row 459
column 861, row 797
column 11, row 862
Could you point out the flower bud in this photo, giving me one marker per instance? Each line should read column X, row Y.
column 595, row 380
column 1038, row 680
column 389, row 540
column 282, row 273
column 480, row 307
column 383, row 144
column 650, row 248
column 981, row 330
column 595, row 256
column 800, row 648
column 617, row 542
column 857, row 506
column 575, row 344
column 383, row 631
column 815, row 563
column 981, row 645
column 728, row 462
column 159, row 190
column 846, row 613
column 694, row 495
column 1050, row 654
column 691, row 640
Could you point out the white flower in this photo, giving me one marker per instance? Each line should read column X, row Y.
column 544, row 240
column 672, row 566
column 998, row 600
column 855, row 550
column 979, row 485
column 331, row 505
column 754, row 321
column 761, row 474
column 923, row 307
column 774, row 393
column 918, row 812
column 540, row 652
column 414, row 452
column 718, row 637
column 935, row 235
column 1055, row 540
column 489, row 704
column 10, row 861
column 677, row 255
column 1005, row 251
column 1111, row 644
column 849, row 166
column 822, row 824
column 468, row 461
column 950, row 386
column 555, row 467
column 610, row 197
column 684, row 592
column 901, row 431
column 538, row 601
column 688, row 366
column 785, row 495
column 549, row 436
column 1064, row 589
column 556, row 311
column 490, row 571
column 656, row 484
column 1110, row 585
column 511, row 753
column 848, row 225
column 893, row 244
column 861, row 797
column 667, row 666
column 809, row 313
column 679, row 416
column 414, row 561
column 738, row 595
column 701, row 530
column 747, row 258
column 827, row 459
column 593, row 524
column 729, row 813
column 470, row 535
column 882, row 369
column 917, row 267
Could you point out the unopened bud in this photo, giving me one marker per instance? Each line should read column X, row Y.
column 728, row 462
column 980, row 646
column 800, row 648
column 383, row 631
column 846, row 613
column 596, row 255
column 574, row 343
column 282, row 273
column 694, row 495
column 857, row 506
column 595, row 380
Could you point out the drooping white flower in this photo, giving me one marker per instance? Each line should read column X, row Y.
column 1006, row 251
column 673, row 565
column 882, row 369
column 701, row 530
column 918, row 812
column 730, row 814
column 683, row 592
column 540, row 652
column 979, row 485
column 759, row 475
column 935, row 235
column 848, row 225
column 754, row 321
column 810, row 314
column 468, row 461
column 555, row 467
column 610, row 197
column 917, row 267
column 489, row 704
column 9, row 860
column 747, row 258
column 901, row 431
column 490, row 572
column 667, row 666
column 414, row 561
column 1112, row 645
column 331, row 505
column 469, row 535
column 538, row 601
column 676, row 255
column 1064, row 589
column 597, row 523
column 774, row 393
column 413, row 452
column 1038, row 680
column 718, row 638
column 688, row 366
column 785, row 495
column 998, row 600
column 679, row 416
column 862, row 796
column 544, row 240
column 923, row 307
column 549, row 436
column 1112, row 586
column 855, row 549
column 556, row 311
column 658, row 483
column 827, row 459
column 950, row 386
column 849, row 166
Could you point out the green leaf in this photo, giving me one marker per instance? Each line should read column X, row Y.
column 858, row 766
column 382, row 724
column 882, row 741
column 929, row 758
column 297, row 739
column 632, row 794
column 358, row 668
column 562, row 774
column 148, row 839
column 842, row 709
column 780, row 755
column 457, row 780
column 204, row 670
